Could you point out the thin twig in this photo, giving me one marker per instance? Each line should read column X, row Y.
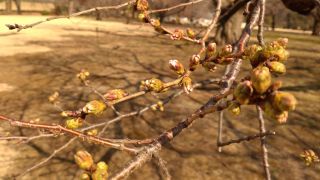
column 247, row 138
column 162, row 165
column 261, row 22
column 41, row 163
column 21, row 27
column 219, row 139
column 263, row 144
column 174, row 7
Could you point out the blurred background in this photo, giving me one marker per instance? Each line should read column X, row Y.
column 119, row 52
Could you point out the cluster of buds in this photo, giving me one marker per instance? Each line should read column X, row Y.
column 259, row 88
column 115, row 94
column 159, row 106
column 178, row 34
column 154, row 85
column 214, row 57
column 309, row 157
column 74, row 123
column 273, row 55
column 177, row 67
column 94, row 107
column 83, row 75
column 53, row 97
column 93, row 171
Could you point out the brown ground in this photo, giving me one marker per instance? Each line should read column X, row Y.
column 38, row 61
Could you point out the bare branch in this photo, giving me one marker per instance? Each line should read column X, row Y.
column 247, row 138
column 263, row 144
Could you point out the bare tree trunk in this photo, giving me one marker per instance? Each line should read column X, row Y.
column 70, row 7
column 316, row 23
column 316, row 27
column 8, row 6
column 273, row 22
column 18, row 5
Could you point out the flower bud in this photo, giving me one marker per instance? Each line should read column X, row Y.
column 143, row 17
column 142, row 5
column 74, row 123
column 243, row 92
column 234, row 108
column 194, row 62
column 176, row 66
column 274, row 113
column 227, row 49
column 115, row 94
column 83, row 75
column 277, row 67
column 101, row 172
column 85, row 176
column 212, row 47
column 94, row 107
column 261, row 79
column 274, row 52
column 92, row 132
column 283, row 42
column 84, row 160
column 284, row 101
column 276, row 85
column 211, row 50
column 190, row 33
column 187, row 84
column 251, row 53
column 155, row 85
column 54, row 97
column 309, row 157
column 177, row 34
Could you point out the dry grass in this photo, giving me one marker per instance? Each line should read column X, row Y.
column 39, row 61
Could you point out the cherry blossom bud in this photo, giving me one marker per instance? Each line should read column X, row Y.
column 143, row 17
column 274, row 113
column 85, row 176
column 155, row 85
column 101, row 172
column 261, row 79
column 94, row 107
column 212, row 47
column 187, row 84
column 177, row 34
column 190, row 33
column 309, row 157
column 234, row 108
column 276, row 67
column 142, row 5
column 92, row 132
column 176, row 66
column 227, row 49
column 283, row 42
column 83, row 75
column 115, row 94
column 284, row 101
column 84, row 160
column 243, row 92
column 74, row 123
column 194, row 62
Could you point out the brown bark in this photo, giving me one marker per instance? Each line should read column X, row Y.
column 8, row 6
